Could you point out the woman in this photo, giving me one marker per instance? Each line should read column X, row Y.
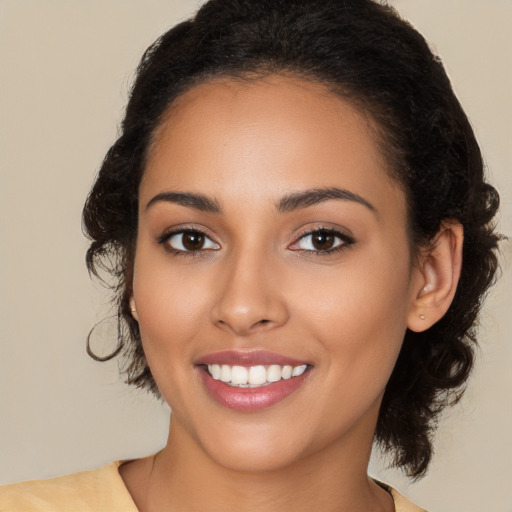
column 302, row 235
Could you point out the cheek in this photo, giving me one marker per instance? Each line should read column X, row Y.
column 169, row 314
column 359, row 313
column 170, row 324
column 167, row 294
column 171, row 309
column 370, row 286
column 358, row 323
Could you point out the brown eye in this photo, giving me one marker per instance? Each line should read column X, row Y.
column 322, row 240
column 190, row 241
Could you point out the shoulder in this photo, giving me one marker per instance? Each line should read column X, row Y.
column 402, row 504
column 87, row 491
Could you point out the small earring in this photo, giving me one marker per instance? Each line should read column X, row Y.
column 422, row 317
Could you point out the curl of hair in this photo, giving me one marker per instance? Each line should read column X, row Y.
column 363, row 51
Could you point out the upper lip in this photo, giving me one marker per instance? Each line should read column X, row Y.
column 248, row 358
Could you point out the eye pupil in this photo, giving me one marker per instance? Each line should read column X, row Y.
column 193, row 241
column 322, row 240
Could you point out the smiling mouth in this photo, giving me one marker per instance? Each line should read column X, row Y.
column 253, row 376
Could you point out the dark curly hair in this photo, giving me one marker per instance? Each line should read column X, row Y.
column 363, row 51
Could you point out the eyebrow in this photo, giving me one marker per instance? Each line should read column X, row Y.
column 288, row 203
column 303, row 199
column 199, row 202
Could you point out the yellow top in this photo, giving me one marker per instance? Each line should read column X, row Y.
column 99, row 490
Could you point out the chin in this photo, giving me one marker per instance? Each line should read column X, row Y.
column 254, row 460
column 254, row 450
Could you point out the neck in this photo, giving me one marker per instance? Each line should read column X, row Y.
column 183, row 477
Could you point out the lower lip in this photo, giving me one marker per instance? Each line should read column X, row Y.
column 250, row 399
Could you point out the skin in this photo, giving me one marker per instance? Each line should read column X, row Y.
column 257, row 285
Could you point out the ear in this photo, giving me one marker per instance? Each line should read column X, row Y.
column 133, row 308
column 436, row 277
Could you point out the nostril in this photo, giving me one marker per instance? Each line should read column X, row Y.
column 262, row 324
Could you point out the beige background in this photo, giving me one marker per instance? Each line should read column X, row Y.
column 65, row 69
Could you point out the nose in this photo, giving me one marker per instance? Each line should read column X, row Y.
column 250, row 296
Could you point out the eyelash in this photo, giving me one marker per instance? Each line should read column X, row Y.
column 164, row 240
column 346, row 241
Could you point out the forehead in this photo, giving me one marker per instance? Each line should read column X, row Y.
column 272, row 134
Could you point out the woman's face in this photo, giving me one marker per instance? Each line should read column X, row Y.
column 271, row 241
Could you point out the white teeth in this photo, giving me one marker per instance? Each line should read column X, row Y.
column 257, row 375
column 254, row 376
column 225, row 373
column 286, row 372
column 239, row 375
column 274, row 373
column 214, row 370
column 299, row 370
